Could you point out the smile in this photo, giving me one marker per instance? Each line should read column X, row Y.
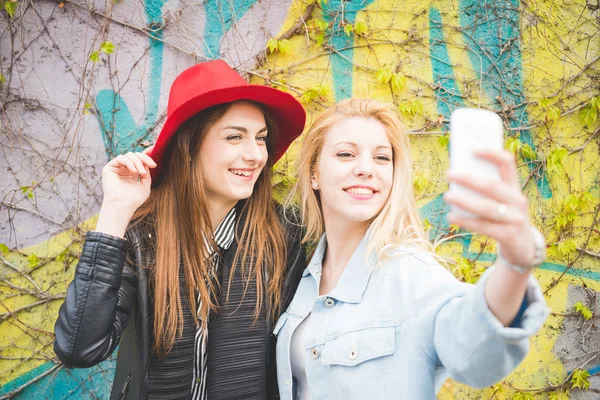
column 361, row 192
column 242, row 172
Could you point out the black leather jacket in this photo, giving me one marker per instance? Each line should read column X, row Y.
column 108, row 304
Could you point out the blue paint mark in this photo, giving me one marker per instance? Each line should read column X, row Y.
column 447, row 93
column 120, row 132
column 342, row 12
column 491, row 32
column 95, row 382
column 220, row 17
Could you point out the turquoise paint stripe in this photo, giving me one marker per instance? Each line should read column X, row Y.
column 88, row 383
column 491, row 30
column 220, row 17
column 447, row 93
column 341, row 63
column 119, row 131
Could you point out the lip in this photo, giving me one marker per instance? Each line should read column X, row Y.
column 361, row 196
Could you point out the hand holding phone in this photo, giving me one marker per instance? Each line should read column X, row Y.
column 471, row 130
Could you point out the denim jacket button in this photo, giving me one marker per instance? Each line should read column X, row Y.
column 353, row 354
column 329, row 302
column 314, row 352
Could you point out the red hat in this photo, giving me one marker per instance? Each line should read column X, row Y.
column 208, row 84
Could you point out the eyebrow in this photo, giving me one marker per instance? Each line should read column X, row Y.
column 242, row 129
column 355, row 145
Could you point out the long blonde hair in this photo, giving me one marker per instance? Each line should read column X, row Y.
column 398, row 223
column 176, row 213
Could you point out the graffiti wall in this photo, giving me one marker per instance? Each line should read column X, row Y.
column 82, row 81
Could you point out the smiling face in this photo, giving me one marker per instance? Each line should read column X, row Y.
column 233, row 154
column 354, row 172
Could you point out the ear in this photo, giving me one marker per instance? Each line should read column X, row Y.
column 314, row 182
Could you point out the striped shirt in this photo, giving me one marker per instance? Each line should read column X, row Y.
column 223, row 236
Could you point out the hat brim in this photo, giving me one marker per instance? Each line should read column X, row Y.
column 289, row 115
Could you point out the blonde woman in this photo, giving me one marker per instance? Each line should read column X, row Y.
column 375, row 316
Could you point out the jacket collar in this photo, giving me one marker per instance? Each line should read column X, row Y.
column 355, row 277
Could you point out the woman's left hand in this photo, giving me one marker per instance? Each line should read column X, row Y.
column 502, row 210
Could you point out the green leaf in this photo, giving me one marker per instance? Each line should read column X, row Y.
column 567, row 246
column 523, row 396
column 588, row 115
column 95, row 57
column 320, row 39
column 583, row 310
column 579, row 379
column 273, row 45
column 595, row 102
column 33, row 261
column 107, row 47
column 559, row 395
column 314, row 93
column 1, row 79
column 321, row 25
column 11, row 8
column 553, row 113
column 426, row 224
column 398, row 81
column 420, row 183
column 86, row 108
column 348, row 29
column 360, row 28
column 544, row 103
column 528, row 153
column 4, row 248
column 443, row 140
column 384, row 75
column 284, row 46
column 554, row 162
column 513, row 145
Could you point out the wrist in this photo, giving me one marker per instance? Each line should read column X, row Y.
column 114, row 219
column 538, row 257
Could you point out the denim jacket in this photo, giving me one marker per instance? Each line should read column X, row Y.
column 399, row 330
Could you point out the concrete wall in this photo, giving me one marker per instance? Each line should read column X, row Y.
column 63, row 115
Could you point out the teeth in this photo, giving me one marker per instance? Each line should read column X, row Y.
column 240, row 172
column 356, row 190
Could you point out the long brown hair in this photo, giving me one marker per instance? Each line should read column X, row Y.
column 176, row 210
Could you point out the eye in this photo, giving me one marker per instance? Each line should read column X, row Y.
column 234, row 137
column 262, row 138
column 345, row 154
column 382, row 157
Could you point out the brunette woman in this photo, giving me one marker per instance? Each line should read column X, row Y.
column 190, row 261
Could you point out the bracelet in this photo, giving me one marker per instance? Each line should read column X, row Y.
column 539, row 255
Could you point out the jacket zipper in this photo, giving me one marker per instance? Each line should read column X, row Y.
column 125, row 385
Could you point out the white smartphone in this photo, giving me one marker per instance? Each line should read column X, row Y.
column 473, row 129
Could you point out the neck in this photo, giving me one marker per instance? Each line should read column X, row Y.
column 342, row 241
column 217, row 212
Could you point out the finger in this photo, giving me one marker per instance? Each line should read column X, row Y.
column 481, row 226
column 494, row 189
column 123, row 162
column 137, row 162
column 484, row 208
column 146, row 160
column 505, row 161
column 148, row 150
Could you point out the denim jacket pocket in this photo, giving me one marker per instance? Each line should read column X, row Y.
column 356, row 347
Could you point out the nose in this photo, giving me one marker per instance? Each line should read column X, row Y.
column 254, row 152
column 364, row 168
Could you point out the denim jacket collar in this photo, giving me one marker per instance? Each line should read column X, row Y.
column 355, row 277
